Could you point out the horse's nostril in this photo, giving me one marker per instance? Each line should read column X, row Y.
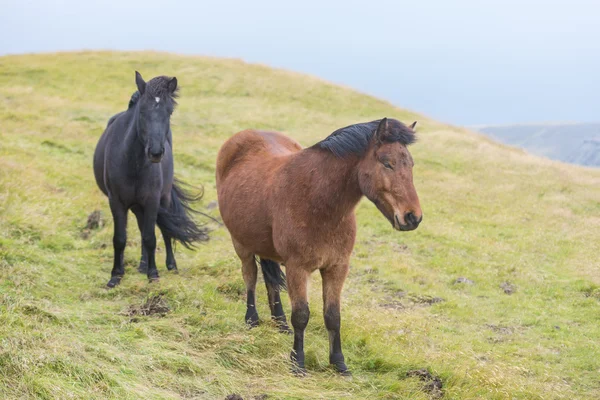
column 411, row 219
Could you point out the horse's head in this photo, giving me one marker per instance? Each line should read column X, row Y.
column 385, row 174
column 155, row 106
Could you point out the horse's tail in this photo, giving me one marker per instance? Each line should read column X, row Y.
column 272, row 273
column 176, row 221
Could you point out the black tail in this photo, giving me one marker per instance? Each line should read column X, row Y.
column 272, row 273
column 176, row 221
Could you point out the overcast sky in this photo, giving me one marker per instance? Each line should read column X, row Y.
column 461, row 61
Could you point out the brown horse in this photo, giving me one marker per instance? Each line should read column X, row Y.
column 295, row 206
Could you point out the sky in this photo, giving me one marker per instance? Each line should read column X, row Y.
column 465, row 62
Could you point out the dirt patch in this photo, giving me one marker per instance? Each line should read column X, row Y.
column 212, row 205
column 94, row 221
column 234, row 396
column 508, row 287
column 503, row 330
column 400, row 300
column 464, row 280
column 400, row 247
column 154, row 305
column 393, row 305
column 503, row 333
column 433, row 384
column 425, row 299
column 592, row 291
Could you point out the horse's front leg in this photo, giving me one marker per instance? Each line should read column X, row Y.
column 139, row 215
column 333, row 281
column 149, row 236
column 119, row 213
column 297, row 282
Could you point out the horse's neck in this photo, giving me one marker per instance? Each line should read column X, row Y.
column 334, row 181
column 134, row 150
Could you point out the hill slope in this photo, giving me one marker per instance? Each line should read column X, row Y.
column 492, row 214
column 572, row 143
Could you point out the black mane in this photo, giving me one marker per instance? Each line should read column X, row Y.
column 134, row 98
column 354, row 139
column 156, row 87
column 159, row 87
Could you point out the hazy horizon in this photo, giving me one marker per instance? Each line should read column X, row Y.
column 467, row 63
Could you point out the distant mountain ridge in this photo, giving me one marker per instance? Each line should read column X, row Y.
column 577, row 143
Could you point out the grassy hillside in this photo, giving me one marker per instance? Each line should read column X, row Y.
column 505, row 220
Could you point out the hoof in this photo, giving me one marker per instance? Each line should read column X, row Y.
column 337, row 360
column 252, row 320
column 143, row 267
column 284, row 328
column 172, row 268
column 153, row 279
column 298, row 363
column 299, row 372
column 114, row 281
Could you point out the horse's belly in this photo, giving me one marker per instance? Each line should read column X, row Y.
column 254, row 237
column 244, row 210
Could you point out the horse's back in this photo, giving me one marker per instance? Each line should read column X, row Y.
column 252, row 146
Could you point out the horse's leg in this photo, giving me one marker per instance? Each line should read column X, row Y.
column 277, row 313
column 249, row 272
column 119, row 213
column 297, row 282
column 171, row 263
column 139, row 215
column 149, row 236
column 333, row 281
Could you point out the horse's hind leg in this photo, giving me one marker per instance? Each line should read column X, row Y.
column 333, row 281
column 119, row 213
column 171, row 263
column 249, row 272
column 272, row 274
column 139, row 215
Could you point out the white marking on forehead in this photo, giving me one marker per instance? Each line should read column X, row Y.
column 157, row 99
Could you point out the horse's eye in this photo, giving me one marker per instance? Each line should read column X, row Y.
column 387, row 165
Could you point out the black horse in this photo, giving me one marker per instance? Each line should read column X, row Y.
column 133, row 165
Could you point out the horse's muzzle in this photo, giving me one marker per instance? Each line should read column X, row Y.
column 411, row 222
column 156, row 157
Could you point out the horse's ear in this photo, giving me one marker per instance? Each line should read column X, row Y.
column 139, row 81
column 413, row 125
column 382, row 130
column 173, row 85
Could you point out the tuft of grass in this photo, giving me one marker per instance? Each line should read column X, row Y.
column 493, row 215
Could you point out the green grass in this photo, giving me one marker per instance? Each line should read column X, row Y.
column 493, row 214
